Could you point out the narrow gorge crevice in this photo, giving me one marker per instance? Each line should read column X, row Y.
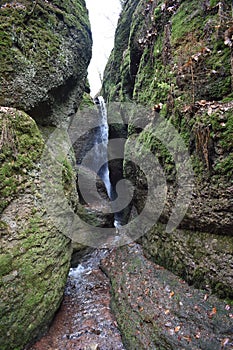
column 134, row 219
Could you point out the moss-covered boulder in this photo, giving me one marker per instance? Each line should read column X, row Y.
column 35, row 256
column 177, row 61
column 45, row 51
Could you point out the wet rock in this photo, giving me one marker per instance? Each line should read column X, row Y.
column 152, row 315
column 84, row 320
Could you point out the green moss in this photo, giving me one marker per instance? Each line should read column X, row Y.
column 184, row 253
column 199, row 276
column 150, row 87
column 213, row 3
column 223, row 166
column 68, row 172
column 22, row 146
column 226, row 141
column 148, row 140
column 218, row 84
column 5, row 264
column 38, row 39
column 198, row 167
column 222, row 290
column 87, row 101
column 187, row 19
column 34, row 292
column 127, row 25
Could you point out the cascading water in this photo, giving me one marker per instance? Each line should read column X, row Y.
column 102, row 156
column 101, row 142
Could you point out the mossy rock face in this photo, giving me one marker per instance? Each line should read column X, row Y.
column 21, row 145
column 45, row 51
column 35, row 256
column 176, row 48
column 112, row 74
column 203, row 259
column 183, row 54
column 206, row 133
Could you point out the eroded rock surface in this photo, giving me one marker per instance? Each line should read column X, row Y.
column 157, row 310
column 176, row 60
column 46, row 49
column 35, row 255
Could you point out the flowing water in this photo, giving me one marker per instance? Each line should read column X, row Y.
column 84, row 321
column 101, row 159
column 101, row 144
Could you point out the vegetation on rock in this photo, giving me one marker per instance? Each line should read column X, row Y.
column 45, row 51
column 21, row 145
column 176, row 59
column 35, row 256
column 44, row 55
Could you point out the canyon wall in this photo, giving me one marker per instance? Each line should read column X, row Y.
column 175, row 58
column 45, row 51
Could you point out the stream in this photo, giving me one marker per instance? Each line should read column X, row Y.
column 84, row 320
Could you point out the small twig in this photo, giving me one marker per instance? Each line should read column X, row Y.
column 193, row 84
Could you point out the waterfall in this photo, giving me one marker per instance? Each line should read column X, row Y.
column 102, row 139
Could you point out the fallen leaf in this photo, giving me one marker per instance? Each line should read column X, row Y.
column 227, row 307
column 214, row 311
column 167, row 312
column 172, row 294
column 198, row 335
column 225, row 341
column 206, row 297
column 177, row 329
column 168, row 324
column 188, row 338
